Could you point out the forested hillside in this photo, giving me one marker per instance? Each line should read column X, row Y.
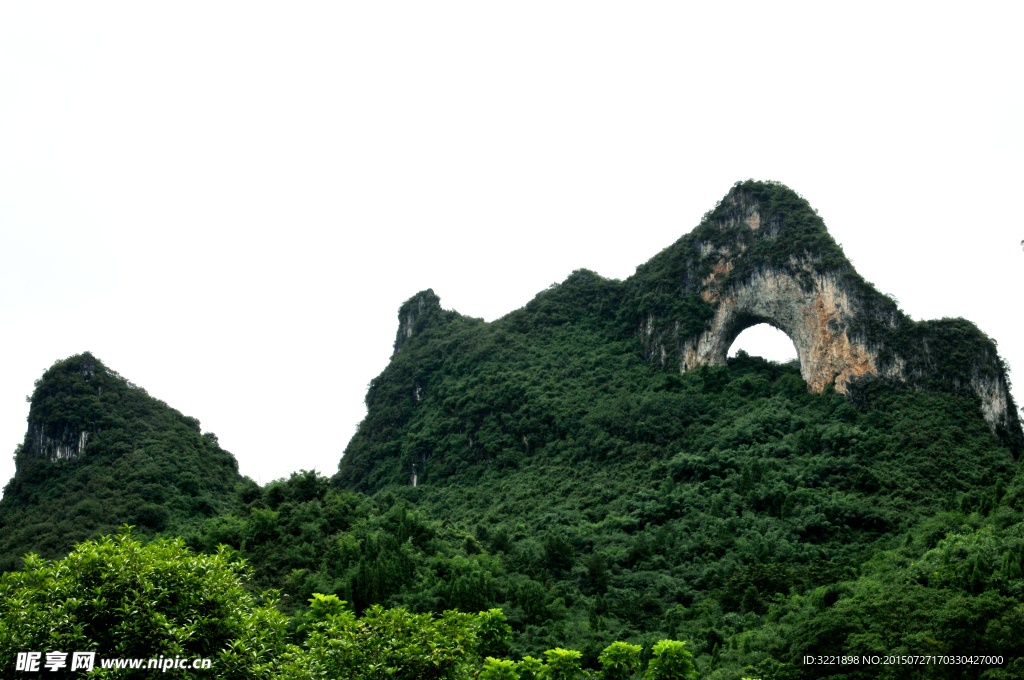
column 792, row 524
column 554, row 465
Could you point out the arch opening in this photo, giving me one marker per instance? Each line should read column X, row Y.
column 765, row 341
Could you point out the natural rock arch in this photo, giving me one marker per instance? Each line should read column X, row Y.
column 763, row 255
column 814, row 320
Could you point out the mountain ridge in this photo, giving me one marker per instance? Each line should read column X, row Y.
column 762, row 255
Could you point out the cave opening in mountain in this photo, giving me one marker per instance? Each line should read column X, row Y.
column 765, row 341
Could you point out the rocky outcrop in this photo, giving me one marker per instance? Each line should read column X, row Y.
column 413, row 316
column 57, row 431
column 763, row 255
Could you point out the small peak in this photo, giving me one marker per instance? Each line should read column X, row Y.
column 88, row 365
column 414, row 314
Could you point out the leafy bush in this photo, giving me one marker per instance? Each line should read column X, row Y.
column 561, row 664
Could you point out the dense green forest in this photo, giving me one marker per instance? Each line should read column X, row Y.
column 748, row 544
column 541, row 466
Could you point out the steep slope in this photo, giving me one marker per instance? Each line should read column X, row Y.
column 100, row 452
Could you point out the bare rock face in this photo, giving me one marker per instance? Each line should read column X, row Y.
column 763, row 255
column 66, row 446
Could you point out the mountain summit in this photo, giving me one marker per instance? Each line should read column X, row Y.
column 763, row 255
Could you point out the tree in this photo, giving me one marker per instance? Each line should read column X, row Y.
column 670, row 662
column 121, row 599
column 619, row 660
column 562, row 664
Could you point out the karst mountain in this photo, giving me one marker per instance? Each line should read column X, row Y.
column 594, row 465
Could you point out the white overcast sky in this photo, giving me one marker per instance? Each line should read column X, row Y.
column 227, row 202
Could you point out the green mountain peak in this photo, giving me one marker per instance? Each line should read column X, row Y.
column 100, row 452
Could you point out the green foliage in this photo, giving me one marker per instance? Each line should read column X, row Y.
column 120, row 598
column 724, row 484
column 387, row 643
column 561, row 664
column 688, row 507
column 696, row 507
column 492, row 633
column 954, row 583
column 530, row 668
column 619, row 660
column 670, row 662
column 591, row 496
column 498, row 669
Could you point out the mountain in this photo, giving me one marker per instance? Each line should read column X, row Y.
column 595, row 466
column 763, row 255
column 100, row 452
